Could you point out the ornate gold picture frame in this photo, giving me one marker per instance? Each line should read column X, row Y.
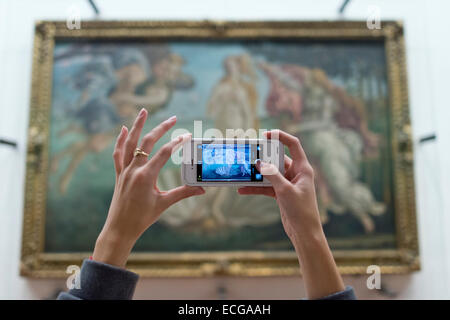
column 401, row 257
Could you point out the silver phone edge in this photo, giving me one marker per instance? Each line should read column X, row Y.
column 232, row 184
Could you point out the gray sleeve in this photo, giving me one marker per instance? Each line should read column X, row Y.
column 347, row 294
column 101, row 281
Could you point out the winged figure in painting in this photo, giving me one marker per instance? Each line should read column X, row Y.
column 114, row 84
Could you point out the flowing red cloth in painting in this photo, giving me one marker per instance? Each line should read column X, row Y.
column 282, row 99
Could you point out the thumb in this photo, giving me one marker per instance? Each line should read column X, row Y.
column 271, row 173
column 173, row 196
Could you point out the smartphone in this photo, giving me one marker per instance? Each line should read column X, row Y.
column 229, row 162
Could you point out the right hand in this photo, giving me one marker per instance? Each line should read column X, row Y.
column 296, row 196
column 294, row 192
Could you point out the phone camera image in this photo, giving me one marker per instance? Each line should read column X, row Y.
column 228, row 162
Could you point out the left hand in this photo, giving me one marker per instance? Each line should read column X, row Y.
column 137, row 202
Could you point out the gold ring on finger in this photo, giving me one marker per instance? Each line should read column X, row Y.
column 140, row 152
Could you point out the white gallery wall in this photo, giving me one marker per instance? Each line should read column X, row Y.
column 428, row 49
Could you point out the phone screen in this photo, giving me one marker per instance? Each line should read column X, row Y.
column 228, row 162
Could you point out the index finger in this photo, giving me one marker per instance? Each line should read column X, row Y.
column 156, row 133
column 162, row 156
column 291, row 142
column 287, row 163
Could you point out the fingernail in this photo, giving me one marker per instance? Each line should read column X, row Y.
column 141, row 113
column 123, row 129
column 172, row 118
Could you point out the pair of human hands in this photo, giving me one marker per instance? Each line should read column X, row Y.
column 137, row 202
